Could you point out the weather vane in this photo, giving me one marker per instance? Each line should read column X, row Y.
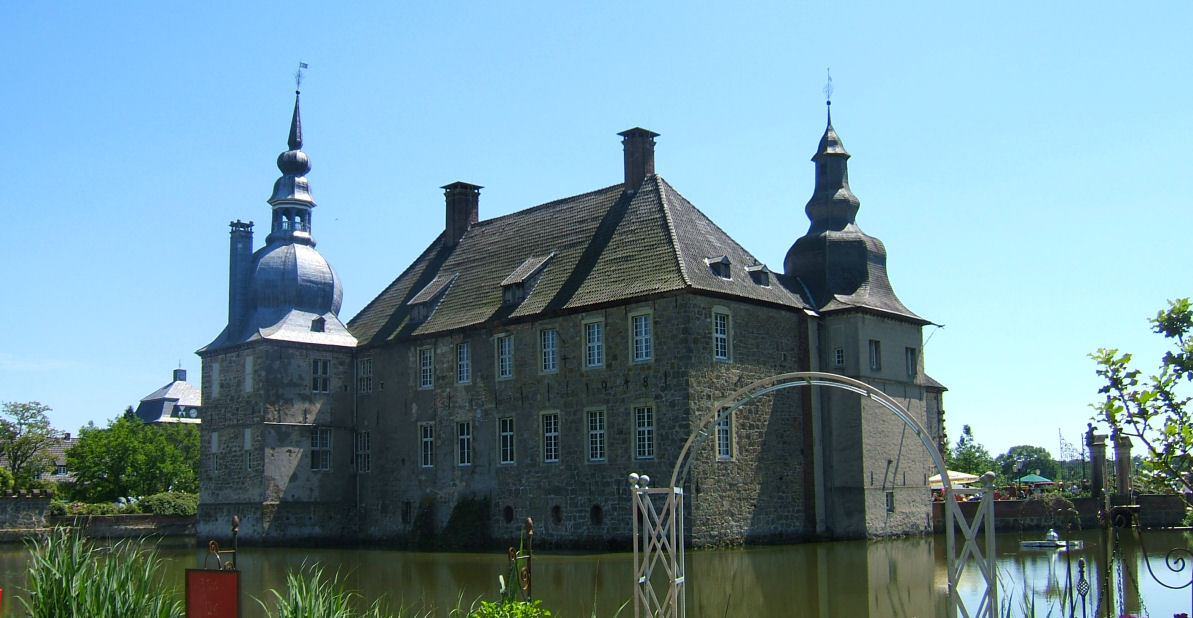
column 298, row 75
column 828, row 88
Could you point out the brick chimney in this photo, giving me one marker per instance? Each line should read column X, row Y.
column 463, row 204
column 638, row 144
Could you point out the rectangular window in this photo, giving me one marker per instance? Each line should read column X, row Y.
column 248, row 374
column 596, row 435
column 912, row 367
column 551, row 437
column 720, row 335
column 643, row 432
column 505, row 439
column 215, row 442
column 640, row 327
column 364, row 375
column 890, row 501
column 60, row 470
column 505, row 356
column 321, row 448
column 839, row 357
column 426, row 432
column 363, row 462
column 426, row 367
column 215, row 379
column 875, row 354
column 594, row 344
column 549, row 347
column 725, row 438
column 320, row 375
column 463, row 363
column 464, row 444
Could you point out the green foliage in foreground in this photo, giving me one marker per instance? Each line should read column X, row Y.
column 1155, row 409
column 509, row 609
column 312, row 594
column 71, row 576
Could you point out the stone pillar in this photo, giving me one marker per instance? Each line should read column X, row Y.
column 1122, row 466
column 1097, row 462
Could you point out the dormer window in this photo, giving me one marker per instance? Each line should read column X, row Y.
column 516, row 287
column 719, row 266
column 759, row 274
column 424, row 303
column 318, row 324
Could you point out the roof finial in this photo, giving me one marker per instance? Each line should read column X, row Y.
column 298, row 76
column 828, row 96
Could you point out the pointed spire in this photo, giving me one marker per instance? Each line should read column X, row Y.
column 295, row 141
column 291, row 199
column 833, row 205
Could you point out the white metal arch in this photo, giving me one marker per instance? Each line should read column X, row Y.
column 660, row 510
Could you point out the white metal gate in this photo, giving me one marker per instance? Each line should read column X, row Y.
column 658, row 512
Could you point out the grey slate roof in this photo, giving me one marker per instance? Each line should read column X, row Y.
column 159, row 405
column 609, row 246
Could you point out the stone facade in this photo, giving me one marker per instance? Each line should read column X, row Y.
column 524, row 365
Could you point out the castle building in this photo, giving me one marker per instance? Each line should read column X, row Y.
column 176, row 402
column 523, row 365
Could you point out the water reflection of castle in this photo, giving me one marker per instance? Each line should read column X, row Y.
column 523, row 365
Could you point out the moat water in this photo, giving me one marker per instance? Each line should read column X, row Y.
column 903, row 577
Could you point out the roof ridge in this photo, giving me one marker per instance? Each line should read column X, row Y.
column 665, row 204
column 545, row 205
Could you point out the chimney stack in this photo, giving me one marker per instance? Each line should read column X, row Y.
column 463, row 205
column 240, row 260
column 638, row 145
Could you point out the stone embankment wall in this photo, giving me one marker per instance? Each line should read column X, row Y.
column 22, row 513
column 1155, row 511
column 26, row 513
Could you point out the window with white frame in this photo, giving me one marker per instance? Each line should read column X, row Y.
column 464, row 443
column 912, row 361
column 215, row 379
column 721, row 330
column 505, row 356
column 642, row 347
column 321, row 448
column 725, row 437
column 596, row 434
column 875, row 354
column 839, row 357
column 320, row 375
column 248, row 374
column 364, row 375
column 594, row 344
column 643, row 432
column 363, row 459
column 549, row 349
column 426, row 432
column 505, row 439
column 550, row 437
column 463, row 363
column 426, row 367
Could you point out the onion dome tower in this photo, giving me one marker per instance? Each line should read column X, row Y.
column 840, row 266
column 286, row 290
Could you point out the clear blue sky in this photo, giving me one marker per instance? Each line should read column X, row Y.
column 1027, row 165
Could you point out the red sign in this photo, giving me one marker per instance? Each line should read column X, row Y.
column 212, row 594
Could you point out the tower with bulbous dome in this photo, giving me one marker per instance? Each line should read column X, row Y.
column 276, row 379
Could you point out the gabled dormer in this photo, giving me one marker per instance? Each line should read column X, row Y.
column 424, row 303
column 516, row 287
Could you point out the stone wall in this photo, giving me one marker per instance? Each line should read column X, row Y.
column 1156, row 511
column 24, row 510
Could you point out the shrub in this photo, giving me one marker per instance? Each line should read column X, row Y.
column 169, row 503
column 509, row 609
column 70, row 576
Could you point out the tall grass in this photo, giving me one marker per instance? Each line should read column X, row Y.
column 310, row 593
column 71, row 576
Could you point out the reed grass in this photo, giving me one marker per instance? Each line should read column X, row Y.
column 70, row 575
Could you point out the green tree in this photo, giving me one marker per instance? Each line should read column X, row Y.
column 25, row 440
column 969, row 456
column 1154, row 410
column 131, row 458
column 1024, row 459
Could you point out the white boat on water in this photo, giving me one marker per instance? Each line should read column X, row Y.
column 1050, row 541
